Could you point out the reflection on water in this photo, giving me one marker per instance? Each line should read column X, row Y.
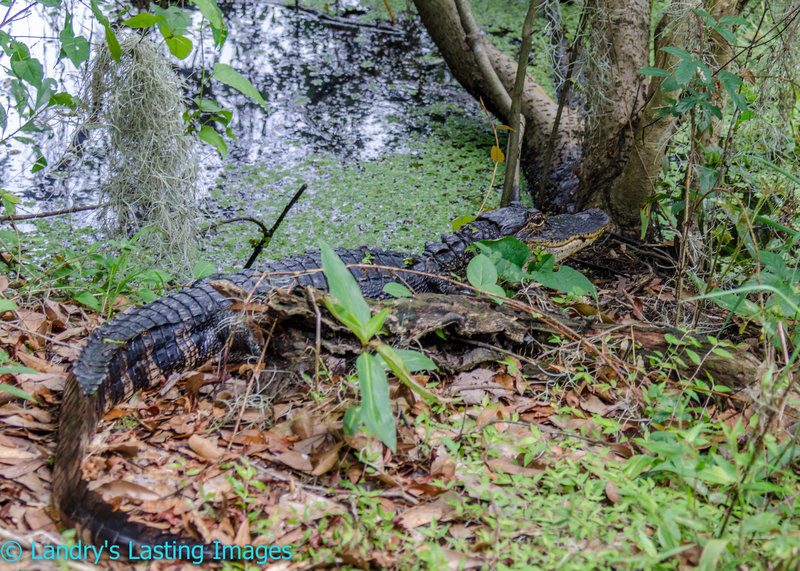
column 330, row 87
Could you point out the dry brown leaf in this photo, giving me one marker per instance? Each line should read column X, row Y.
column 474, row 385
column 17, row 471
column 38, row 364
column 20, row 422
column 462, row 531
column 595, row 405
column 303, row 426
column 205, row 448
column 612, row 492
column 327, row 460
column 126, row 489
column 422, row 514
column 296, row 460
column 242, row 536
column 507, row 467
column 38, row 520
column 15, row 454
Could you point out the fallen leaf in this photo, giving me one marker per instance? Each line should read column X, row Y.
column 612, row 492
column 296, row 460
column 327, row 460
column 204, row 448
column 126, row 489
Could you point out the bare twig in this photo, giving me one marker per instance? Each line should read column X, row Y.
column 515, row 120
column 18, row 217
column 562, row 99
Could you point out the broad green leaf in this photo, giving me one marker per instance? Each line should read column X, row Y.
column 677, row 52
column 17, row 392
column 481, row 271
column 3, row 118
column 724, row 353
column 733, row 21
column 219, row 35
column 713, row 550
column 29, row 70
column 729, row 36
column 20, row 93
column 376, row 408
column 351, row 420
column 343, row 286
column 206, row 105
column 179, row 46
column 175, row 20
column 45, row 92
column 64, row 99
column 111, row 38
column 76, row 48
column 210, row 136
column 509, row 256
column 88, row 300
column 16, row 370
column 229, row 76
column 203, row 269
column 375, row 323
column 113, row 43
column 415, row 361
column 684, row 73
column 397, row 290
column 566, row 279
column 211, row 12
column 10, row 202
column 460, row 221
column 39, row 163
column 637, row 464
column 144, row 20
column 389, row 358
column 693, row 356
column 7, row 305
column 657, row 71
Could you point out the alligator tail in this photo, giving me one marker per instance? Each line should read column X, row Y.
column 133, row 351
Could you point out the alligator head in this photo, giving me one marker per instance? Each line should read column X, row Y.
column 564, row 234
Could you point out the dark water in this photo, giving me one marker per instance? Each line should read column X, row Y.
column 331, row 86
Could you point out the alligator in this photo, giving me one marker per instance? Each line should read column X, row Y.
column 137, row 349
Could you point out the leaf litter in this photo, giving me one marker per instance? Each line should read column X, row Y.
column 192, row 459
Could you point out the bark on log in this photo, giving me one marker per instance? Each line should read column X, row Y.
column 459, row 332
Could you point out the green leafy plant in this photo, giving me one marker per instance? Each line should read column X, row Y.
column 8, row 367
column 507, row 257
column 98, row 278
column 347, row 304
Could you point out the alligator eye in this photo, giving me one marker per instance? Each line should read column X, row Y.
column 534, row 219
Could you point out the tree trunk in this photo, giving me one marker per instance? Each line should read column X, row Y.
column 441, row 19
column 626, row 137
column 678, row 27
column 618, row 44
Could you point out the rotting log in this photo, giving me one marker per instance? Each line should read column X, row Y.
column 459, row 332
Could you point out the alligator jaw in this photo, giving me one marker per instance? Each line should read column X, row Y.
column 565, row 234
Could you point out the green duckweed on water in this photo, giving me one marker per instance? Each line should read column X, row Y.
column 396, row 201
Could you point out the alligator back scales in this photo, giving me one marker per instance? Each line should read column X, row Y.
column 137, row 349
